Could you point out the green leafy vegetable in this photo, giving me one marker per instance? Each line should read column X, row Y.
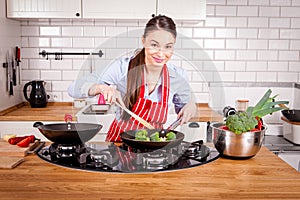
column 240, row 122
column 248, row 120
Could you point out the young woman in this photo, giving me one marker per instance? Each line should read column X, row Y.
column 146, row 84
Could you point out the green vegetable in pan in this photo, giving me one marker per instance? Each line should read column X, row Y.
column 142, row 135
column 155, row 137
column 171, row 136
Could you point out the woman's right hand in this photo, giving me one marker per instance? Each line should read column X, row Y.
column 110, row 93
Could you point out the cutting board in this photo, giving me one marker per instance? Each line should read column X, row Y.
column 11, row 155
column 7, row 149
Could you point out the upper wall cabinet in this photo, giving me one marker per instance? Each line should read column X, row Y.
column 182, row 10
column 144, row 9
column 43, row 8
column 103, row 9
column 118, row 9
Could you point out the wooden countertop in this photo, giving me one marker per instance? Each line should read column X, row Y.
column 264, row 176
column 55, row 111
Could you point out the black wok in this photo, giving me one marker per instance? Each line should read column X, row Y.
column 128, row 138
column 291, row 115
column 68, row 133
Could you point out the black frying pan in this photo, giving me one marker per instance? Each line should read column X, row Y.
column 68, row 133
column 128, row 138
column 291, row 115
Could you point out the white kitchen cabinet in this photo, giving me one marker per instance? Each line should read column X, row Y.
column 100, row 9
column 182, row 10
column 118, row 9
column 43, row 8
column 144, row 9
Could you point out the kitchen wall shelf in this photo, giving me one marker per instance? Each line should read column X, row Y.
column 58, row 55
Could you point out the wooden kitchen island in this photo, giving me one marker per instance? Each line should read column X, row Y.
column 264, row 176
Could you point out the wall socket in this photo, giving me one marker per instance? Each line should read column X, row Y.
column 55, row 96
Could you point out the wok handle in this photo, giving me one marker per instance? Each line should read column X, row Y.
column 37, row 124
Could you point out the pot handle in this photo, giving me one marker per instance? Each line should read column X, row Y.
column 37, row 124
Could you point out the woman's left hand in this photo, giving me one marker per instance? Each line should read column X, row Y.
column 187, row 112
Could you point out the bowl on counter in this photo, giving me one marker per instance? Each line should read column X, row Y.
column 234, row 146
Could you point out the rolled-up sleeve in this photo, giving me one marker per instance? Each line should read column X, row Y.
column 111, row 75
column 180, row 88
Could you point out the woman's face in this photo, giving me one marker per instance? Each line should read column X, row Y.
column 159, row 47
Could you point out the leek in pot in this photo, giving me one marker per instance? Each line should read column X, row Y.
column 241, row 135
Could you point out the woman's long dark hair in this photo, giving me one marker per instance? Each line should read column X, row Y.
column 136, row 65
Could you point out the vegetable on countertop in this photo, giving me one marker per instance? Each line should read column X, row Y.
column 251, row 119
column 8, row 136
column 17, row 140
column 25, row 142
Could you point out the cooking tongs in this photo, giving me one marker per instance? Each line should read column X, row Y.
column 141, row 120
column 175, row 124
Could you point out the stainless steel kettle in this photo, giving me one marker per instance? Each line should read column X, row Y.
column 38, row 97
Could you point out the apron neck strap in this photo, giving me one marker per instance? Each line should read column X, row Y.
column 165, row 84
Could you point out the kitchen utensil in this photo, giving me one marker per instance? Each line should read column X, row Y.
column 102, row 106
column 292, row 115
column 10, row 162
column 128, row 138
column 18, row 60
column 175, row 124
column 38, row 97
column 14, row 70
column 10, row 88
column 141, row 120
column 68, row 133
column 240, row 146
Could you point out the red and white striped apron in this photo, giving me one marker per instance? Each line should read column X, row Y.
column 153, row 112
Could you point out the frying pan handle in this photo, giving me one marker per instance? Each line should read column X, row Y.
column 37, row 124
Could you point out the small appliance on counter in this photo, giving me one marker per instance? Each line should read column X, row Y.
column 291, row 131
column 38, row 97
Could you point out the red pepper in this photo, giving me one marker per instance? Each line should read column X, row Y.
column 25, row 142
column 224, row 127
column 259, row 123
column 15, row 140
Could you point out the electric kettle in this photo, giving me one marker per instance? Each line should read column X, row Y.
column 38, row 97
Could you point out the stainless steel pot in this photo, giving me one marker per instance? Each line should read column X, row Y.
column 231, row 145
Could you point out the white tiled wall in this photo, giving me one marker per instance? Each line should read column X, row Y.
column 240, row 41
column 10, row 37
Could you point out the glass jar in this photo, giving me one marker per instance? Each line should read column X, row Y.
column 242, row 104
